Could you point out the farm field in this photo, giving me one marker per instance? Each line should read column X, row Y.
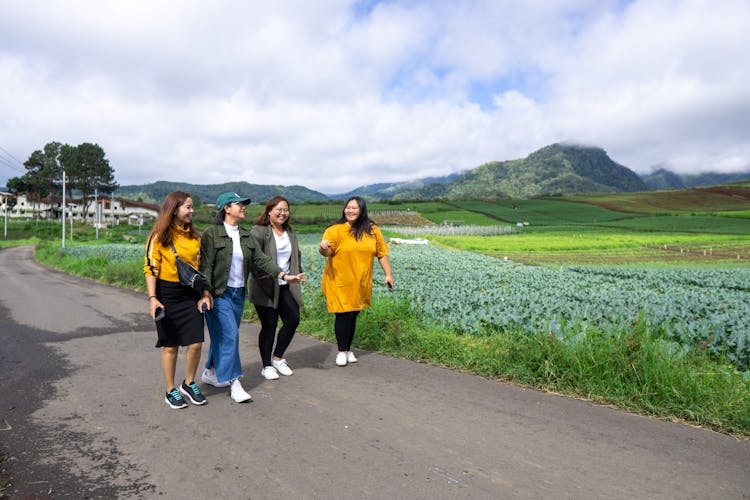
column 607, row 247
column 722, row 223
column 544, row 212
column 696, row 200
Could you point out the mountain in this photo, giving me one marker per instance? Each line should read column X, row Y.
column 663, row 179
column 713, row 178
column 386, row 191
column 666, row 179
column 155, row 192
column 554, row 169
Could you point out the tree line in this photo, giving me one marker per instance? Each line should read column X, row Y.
column 86, row 169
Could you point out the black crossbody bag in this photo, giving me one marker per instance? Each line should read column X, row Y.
column 189, row 276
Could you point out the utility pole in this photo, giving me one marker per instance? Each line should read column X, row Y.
column 63, row 211
column 97, row 211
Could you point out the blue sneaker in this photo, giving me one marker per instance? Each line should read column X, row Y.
column 175, row 400
column 192, row 392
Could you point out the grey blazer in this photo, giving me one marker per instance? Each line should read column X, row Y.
column 264, row 289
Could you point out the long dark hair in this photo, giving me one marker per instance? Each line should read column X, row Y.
column 265, row 220
column 363, row 224
column 162, row 227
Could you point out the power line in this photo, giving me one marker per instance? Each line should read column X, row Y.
column 11, row 161
column 10, row 155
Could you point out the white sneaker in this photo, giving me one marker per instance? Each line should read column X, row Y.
column 237, row 393
column 282, row 367
column 350, row 357
column 341, row 359
column 209, row 377
column 269, row 373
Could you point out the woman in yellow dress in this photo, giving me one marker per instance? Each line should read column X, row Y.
column 350, row 244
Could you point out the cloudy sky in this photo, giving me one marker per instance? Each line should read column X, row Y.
column 333, row 94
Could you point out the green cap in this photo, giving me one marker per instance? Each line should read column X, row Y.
column 227, row 198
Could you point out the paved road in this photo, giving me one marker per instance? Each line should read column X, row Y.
column 83, row 393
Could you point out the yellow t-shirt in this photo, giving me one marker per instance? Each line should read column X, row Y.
column 159, row 260
column 347, row 276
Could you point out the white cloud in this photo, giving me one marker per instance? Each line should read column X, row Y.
column 330, row 96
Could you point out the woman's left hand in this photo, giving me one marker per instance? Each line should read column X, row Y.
column 207, row 302
column 389, row 282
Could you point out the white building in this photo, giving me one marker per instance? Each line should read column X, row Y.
column 113, row 210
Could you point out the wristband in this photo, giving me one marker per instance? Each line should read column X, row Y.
column 151, row 297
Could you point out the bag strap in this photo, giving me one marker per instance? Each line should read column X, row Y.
column 174, row 250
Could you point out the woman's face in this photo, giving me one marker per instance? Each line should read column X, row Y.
column 279, row 214
column 235, row 212
column 184, row 213
column 351, row 212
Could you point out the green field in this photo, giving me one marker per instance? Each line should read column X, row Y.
column 544, row 212
column 719, row 224
column 696, row 200
column 607, row 247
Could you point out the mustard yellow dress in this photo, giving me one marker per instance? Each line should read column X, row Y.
column 347, row 276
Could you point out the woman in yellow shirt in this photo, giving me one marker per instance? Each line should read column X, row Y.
column 350, row 244
column 175, row 309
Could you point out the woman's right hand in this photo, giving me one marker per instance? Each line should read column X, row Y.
column 296, row 278
column 153, row 305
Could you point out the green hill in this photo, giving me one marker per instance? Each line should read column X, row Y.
column 555, row 169
column 155, row 192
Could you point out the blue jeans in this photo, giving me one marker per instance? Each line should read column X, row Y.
column 223, row 323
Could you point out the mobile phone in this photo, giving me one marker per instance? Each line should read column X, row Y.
column 159, row 314
column 204, row 308
column 390, row 287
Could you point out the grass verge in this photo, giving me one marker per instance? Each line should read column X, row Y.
column 125, row 274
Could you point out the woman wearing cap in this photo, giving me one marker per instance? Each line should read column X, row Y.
column 227, row 252
column 350, row 244
column 175, row 309
column 274, row 298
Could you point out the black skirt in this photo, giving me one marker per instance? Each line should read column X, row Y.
column 182, row 323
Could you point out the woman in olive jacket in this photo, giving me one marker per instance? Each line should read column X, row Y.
column 228, row 251
column 272, row 297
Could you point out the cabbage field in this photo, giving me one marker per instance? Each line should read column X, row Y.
column 479, row 295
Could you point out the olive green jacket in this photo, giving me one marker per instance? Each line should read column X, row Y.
column 216, row 257
column 264, row 289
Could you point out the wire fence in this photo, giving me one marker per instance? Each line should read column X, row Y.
column 446, row 230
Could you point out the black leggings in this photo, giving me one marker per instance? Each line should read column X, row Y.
column 344, row 326
column 288, row 310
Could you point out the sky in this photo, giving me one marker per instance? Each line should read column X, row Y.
column 335, row 94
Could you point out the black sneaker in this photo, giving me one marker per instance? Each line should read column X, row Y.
column 175, row 400
column 192, row 392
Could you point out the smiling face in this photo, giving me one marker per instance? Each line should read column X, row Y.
column 184, row 213
column 351, row 212
column 279, row 214
column 234, row 213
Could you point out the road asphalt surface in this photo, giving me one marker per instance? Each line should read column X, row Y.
column 82, row 415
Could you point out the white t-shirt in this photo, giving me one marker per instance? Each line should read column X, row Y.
column 236, row 275
column 283, row 253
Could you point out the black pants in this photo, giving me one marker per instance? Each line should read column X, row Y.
column 288, row 310
column 344, row 327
